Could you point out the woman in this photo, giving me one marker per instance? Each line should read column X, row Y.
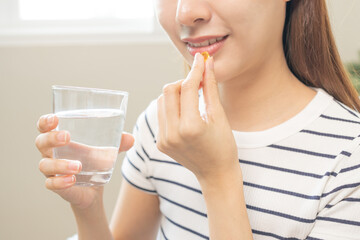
column 272, row 153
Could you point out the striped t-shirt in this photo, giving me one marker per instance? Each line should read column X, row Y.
column 301, row 178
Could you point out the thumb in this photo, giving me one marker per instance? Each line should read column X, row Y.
column 127, row 141
column 210, row 87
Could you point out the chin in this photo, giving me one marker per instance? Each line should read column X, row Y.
column 222, row 72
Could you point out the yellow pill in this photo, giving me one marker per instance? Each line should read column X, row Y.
column 206, row 55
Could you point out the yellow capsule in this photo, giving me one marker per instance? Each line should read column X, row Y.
column 206, row 55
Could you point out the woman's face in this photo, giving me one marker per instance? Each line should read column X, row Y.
column 248, row 33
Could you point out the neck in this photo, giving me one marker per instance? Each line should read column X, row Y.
column 258, row 100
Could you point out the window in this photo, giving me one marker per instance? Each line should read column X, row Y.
column 84, row 9
column 26, row 21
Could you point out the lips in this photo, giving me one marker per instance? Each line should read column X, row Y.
column 206, row 42
column 210, row 44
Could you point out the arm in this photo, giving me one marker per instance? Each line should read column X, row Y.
column 92, row 222
column 206, row 146
column 137, row 212
column 136, row 217
column 134, row 208
column 226, row 206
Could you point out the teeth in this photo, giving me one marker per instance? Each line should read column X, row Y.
column 206, row 42
column 211, row 41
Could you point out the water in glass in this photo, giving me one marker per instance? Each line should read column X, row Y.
column 95, row 136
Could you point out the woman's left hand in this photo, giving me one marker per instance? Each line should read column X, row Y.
column 203, row 144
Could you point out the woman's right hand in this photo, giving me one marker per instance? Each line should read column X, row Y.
column 60, row 173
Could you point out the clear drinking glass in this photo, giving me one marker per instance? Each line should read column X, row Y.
column 95, row 120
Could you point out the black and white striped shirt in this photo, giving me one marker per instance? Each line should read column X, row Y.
column 301, row 178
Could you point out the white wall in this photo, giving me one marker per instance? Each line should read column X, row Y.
column 27, row 209
column 345, row 19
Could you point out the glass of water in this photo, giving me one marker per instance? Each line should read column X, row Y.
column 95, row 120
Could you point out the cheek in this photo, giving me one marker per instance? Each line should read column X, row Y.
column 256, row 28
column 166, row 13
column 230, row 67
column 255, row 21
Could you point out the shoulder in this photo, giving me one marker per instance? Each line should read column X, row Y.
column 341, row 112
column 146, row 126
column 339, row 118
column 333, row 132
column 145, row 133
column 342, row 123
column 336, row 135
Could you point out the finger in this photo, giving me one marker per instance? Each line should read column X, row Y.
column 210, row 88
column 189, row 99
column 47, row 123
column 46, row 141
column 127, row 141
column 51, row 167
column 60, row 182
column 171, row 94
column 161, row 120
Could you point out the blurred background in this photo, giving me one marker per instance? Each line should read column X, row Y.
column 107, row 44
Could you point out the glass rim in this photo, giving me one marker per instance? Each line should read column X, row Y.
column 87, row 89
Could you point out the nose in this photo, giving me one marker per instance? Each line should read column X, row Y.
column 191, row 12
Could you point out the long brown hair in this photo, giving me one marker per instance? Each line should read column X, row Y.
column 311, row 53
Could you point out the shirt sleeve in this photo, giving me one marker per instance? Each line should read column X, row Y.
column 339, row 217
column 136, row 165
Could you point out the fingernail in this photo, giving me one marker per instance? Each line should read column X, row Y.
column 210, row 63
column 197, row 55
column 50, row 119
column 61, row 136
column 194, row 62
column 74, row 165
column 69, row 179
